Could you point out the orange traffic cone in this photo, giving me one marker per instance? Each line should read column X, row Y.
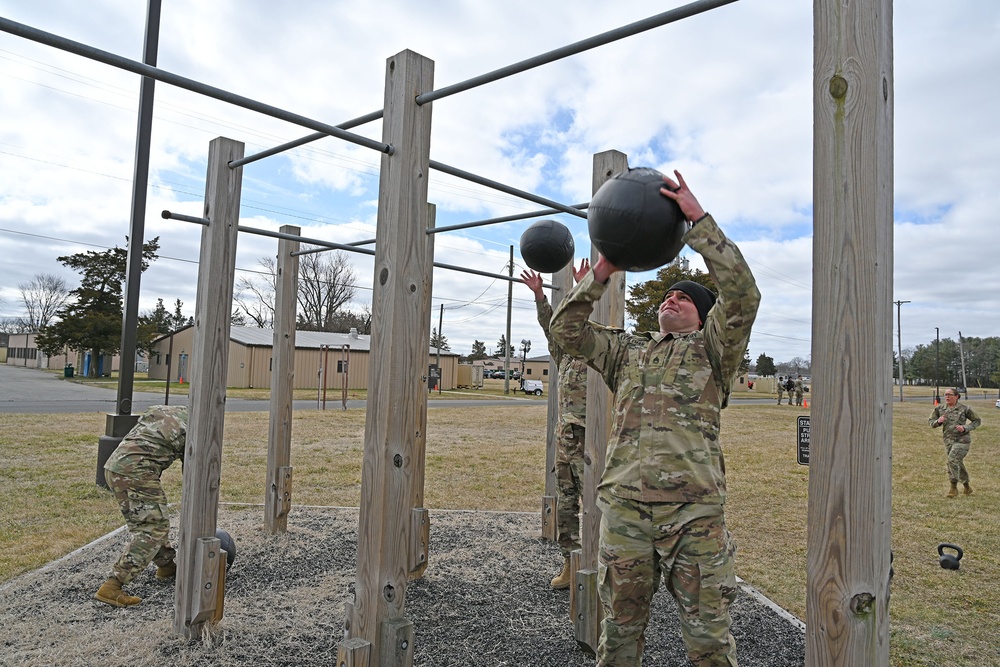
column 805, row 402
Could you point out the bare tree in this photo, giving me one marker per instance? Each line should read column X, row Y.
column 326, row 284
column 42, row 297
column 255, row 295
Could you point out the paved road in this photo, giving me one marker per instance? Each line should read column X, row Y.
column 28, row 390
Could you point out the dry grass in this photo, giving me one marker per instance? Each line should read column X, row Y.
column 493, row 459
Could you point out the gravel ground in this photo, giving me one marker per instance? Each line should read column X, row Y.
column 484, row 600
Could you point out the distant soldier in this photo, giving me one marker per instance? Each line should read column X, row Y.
column 571, row 430
column 133, row 473
column 781, row 390
column 799, row 390
column 790, row 388
column 958, row 421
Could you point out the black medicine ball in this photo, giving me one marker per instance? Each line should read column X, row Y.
column 227, row 545
column 634, row 226
column 547, row 246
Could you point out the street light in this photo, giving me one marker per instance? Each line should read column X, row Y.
column 525, row 346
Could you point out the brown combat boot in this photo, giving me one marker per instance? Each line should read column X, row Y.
column 111, row 593
column 953, row 491
column 968, row 489
column 561, row 580
column 168, row 571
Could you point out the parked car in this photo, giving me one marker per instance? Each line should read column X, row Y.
column 532, row 387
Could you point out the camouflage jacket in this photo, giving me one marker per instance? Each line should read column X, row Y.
column 669, row 389
column 156, row 441
column 572, row 373
column 960, row 414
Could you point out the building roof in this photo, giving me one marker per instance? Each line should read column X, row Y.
column 257, row 337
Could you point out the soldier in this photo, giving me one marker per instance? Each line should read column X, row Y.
column 570, row 431
column 781, row 389
column 133, row 473
column 799, row 390
column 664, row 486
column 958, row 420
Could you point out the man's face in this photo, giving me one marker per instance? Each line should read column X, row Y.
column 950, row 398
column 678, row 314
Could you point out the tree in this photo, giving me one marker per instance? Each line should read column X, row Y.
column 745, row 364
column 438, row 341
column 645, row 298
column 765, row 366
column 177, row 320
column 478, row 350
column 92, row 318
column 503, row 350
column 255, row 295
column 42, row 298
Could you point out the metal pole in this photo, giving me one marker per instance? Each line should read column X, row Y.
column 170, row 352
column 961, row 356
column 506, row 218
column 899, row 342
column 937, row 356
column 140, row 180
column 440, row 336
column 326, row 365
column 506, row 352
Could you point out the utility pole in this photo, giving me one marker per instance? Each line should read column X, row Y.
column 439, row 340
column 961, row 355
column 937, row 356
column 510, row 298
column 899, row 342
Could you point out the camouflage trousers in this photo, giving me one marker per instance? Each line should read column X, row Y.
column 569, row 485
column 144, row 506
column 957, row 451
column 689, row 545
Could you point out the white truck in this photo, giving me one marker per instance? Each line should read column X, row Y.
column 532, row 387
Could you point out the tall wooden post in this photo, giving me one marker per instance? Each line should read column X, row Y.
column 278, row 482
column 563, row 281
column 397, row 368
column 585, row 605
column 198, row 550
column 850, row 494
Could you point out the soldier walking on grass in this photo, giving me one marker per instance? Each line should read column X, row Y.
column 664, row 485
column 957, row 421
column 570, row 431
column 799, row 391
column 133, row 473
column 781, row 390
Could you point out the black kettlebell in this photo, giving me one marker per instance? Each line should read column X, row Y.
column 949, row 561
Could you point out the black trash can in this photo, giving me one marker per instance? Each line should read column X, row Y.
column 68, row 371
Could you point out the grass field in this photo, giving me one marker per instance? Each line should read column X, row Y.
column 493, row 459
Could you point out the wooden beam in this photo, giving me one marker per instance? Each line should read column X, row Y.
column 398, row 358
column 207, row 399
column 850, row 483
column 277, row 486
column 609, row 310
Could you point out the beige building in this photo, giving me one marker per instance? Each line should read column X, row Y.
column 337, row 356
column 22, row 350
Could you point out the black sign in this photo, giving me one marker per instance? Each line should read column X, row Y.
column 802, row 424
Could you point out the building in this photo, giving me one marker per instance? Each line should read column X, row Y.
column 338, row 358
column 22, row 350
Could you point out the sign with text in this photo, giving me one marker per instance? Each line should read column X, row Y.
column 802, row 429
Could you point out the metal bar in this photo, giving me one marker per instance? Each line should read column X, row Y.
column 360, row 120
column 577, row 47
column 314, row 250
column 42, row 37
column 454, row 171
column 327, row 245
column 506, row 218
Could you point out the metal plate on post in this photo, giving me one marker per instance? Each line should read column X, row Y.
column 802, row 440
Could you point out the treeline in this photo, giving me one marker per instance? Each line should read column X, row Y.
column 941, row 362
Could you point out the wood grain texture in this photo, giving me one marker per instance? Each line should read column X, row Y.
column 207, row 398
column 851, row 448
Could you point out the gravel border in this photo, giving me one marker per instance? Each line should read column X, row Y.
column 484, row 600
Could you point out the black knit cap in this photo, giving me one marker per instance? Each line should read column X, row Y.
column 702, row 297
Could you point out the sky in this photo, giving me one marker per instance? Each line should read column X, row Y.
column 724, row 97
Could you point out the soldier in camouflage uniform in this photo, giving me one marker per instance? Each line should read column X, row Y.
column 133, row 473
column 799, row 390
column 958, row 420
column 570, row 431
column 664, row 485
column 781, row 390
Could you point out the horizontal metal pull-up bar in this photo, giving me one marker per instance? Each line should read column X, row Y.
column 506, row 218
column 455, row 171
column 572, row 49
column 336, row 246
column 42, row 37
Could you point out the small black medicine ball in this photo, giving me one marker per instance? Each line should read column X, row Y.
column 227, row 545
column 547, row 246
column 634, row 226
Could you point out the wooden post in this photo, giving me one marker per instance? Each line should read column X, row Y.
column 398, row 358
column 850, row 483
column 207, row 399
column 278, row 483
column 609, row 310
column 563, row 280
